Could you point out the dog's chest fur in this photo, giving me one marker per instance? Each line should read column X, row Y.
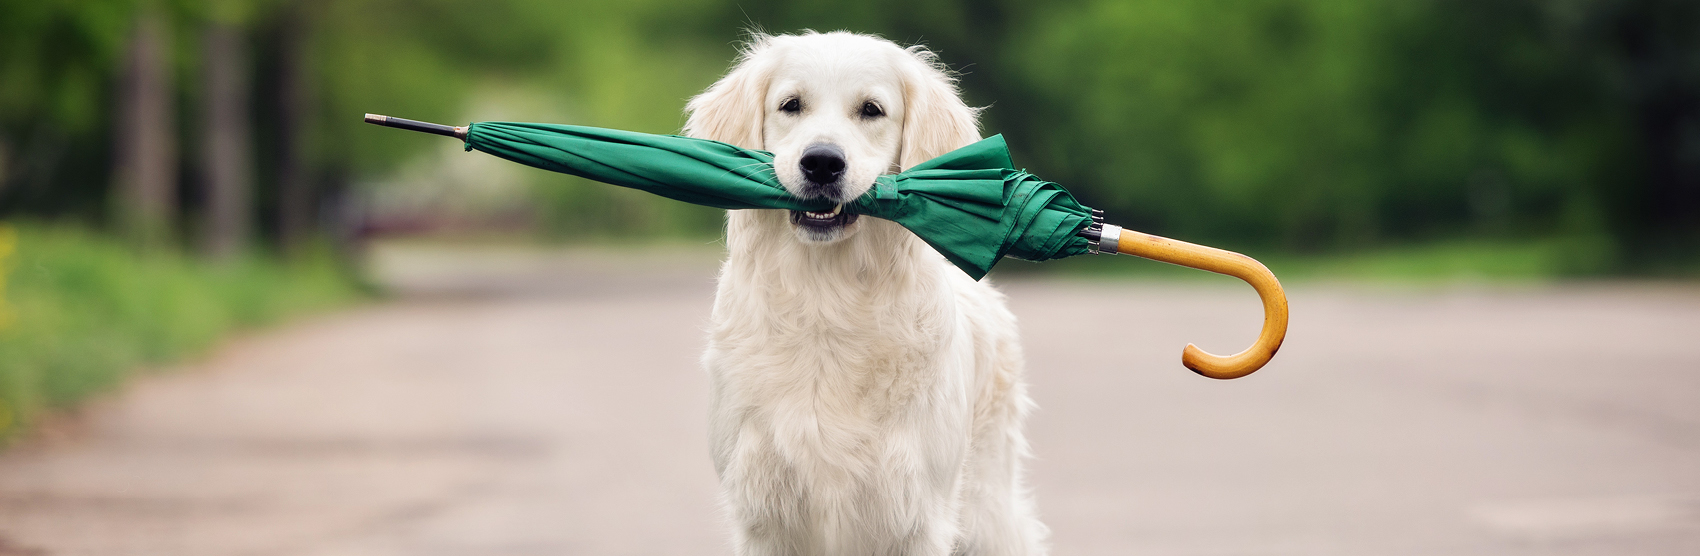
column 841, row 386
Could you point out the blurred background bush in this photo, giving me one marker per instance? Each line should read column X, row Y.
column 1303, row 126
column 1564, row 132
column 85, row 311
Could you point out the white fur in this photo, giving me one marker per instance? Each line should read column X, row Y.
column 867, row 396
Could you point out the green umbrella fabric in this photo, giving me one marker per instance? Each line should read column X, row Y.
column 970, row 204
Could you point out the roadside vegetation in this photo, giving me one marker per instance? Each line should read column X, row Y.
column 83, row 311
column 1438, row 262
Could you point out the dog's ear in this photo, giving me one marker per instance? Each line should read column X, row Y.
column 730, row 111
column 935, row 120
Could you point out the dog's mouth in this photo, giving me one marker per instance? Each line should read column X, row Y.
column 822, row 221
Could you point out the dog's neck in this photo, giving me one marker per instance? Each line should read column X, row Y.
column 880, row 263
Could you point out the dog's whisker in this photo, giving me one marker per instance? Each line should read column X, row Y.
column 771, row 180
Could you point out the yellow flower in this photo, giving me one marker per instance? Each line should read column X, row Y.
column 8, row 243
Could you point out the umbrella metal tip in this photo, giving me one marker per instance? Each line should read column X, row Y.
column 376, row 119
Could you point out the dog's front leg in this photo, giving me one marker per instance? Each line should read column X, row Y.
column 764, row 497
column 905, row 502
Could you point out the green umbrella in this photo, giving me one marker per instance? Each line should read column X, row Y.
column 970, row 204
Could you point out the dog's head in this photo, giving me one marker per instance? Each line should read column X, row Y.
column 836, row 110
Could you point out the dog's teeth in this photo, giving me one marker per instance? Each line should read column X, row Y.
column 824, row 215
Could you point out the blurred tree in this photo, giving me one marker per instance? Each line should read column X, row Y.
column 225, row 137
column 1647, row 54
column 146, row 132
column 293, row 85
column 57, row 60
column 1302, row 124
column 1314, row 124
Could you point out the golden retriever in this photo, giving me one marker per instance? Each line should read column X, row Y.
column 867, row 396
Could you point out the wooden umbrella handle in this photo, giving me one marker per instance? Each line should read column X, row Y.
column 1219, row 261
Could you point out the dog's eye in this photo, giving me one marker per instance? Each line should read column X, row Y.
column 871, row 110
column 791, row 105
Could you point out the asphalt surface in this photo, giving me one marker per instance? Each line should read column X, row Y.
column 512, row 404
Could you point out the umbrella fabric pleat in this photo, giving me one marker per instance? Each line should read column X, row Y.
column 695, row 171
column 970, row 204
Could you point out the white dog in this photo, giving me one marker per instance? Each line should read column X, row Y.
column 867, row 395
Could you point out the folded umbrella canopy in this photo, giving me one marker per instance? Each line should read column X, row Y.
column 970, row 204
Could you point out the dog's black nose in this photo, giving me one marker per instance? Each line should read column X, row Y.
column 822, row 163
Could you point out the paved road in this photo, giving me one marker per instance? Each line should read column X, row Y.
column 554, row 406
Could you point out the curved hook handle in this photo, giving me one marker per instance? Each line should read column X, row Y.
column 1221, row 262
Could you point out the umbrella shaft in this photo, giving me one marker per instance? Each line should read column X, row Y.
column 415, row 125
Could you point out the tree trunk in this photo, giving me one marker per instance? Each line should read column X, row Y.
column 146, row 139
column 295, row 186
column 225, row 147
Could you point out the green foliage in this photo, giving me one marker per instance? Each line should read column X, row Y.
column 1324, row 126
column 56, row 66
column 55, row 59
column 1438, row 262
column 1295, row 125
column 87, row 310
column 1307, row 123
column 610, row 64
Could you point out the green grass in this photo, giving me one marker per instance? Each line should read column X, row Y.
column 1459, row 261
column 1466, row 260
column 80, row 312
